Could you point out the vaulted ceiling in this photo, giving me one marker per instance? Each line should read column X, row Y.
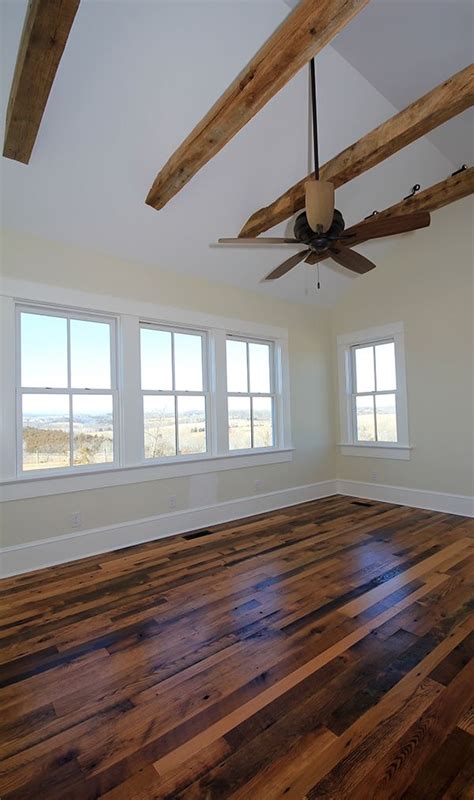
column 137, row 76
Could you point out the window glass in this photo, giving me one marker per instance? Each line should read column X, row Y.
column 259, row 367
column 93, row 430
column 188, row 362
column 385, row 405
column 160, row 427
column 365, row 378
column 237, row 377
column 365, row 418
column 385, row 366
column 262, row 422
column 43, row 351
column 240, row 437
column 45, row 431
column 191, row 424
column 155, row 356
column 90, row 354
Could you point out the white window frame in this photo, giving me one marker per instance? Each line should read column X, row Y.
column 346, row 346
column 272, row 394
column 69, row 391
column 130, row 466
column 176, row 393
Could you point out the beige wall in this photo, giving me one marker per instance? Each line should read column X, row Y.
column 425, row 280
column 33, row 259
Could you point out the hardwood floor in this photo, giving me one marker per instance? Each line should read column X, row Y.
column 320, row 651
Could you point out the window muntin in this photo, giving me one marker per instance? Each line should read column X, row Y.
column 250, row 394
column 174, row 390
column 66, row 393
column 374, row 392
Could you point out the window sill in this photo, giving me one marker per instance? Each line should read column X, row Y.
column 398, row 452
column 101, row 477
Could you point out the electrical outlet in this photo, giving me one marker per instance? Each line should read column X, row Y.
column 76, row 519
column 373, row 475
column 258, row 485
column 172, row 501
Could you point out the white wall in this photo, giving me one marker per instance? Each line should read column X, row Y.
column 29, row 258
column 425, row 279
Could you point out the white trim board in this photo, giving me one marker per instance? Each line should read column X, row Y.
column 41, row 553
column 81, row 544
column 460, row 504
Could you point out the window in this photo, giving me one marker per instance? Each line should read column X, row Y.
column 92, row 398
column 174, row 389
column 250, row 397
column 66, row 392
column 372, row 393
column 375, row 392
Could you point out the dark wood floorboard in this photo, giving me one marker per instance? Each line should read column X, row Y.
column 320, row 651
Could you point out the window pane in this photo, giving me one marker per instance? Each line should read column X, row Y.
column 43, row 351
column 237, row 379
column 259, row 357
column 365, row 419
column 239, row 423
column 45, row 431
column 191, row 424
column 364, row 359
column 160, row 439
column 155, row 357
column 188, row 362
column 385, row 366
column 262, row 422
column 385, row 405
column 93, row 430
column 90, row 354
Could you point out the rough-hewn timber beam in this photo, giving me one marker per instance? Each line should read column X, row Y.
column 441, row 194
column 442, row 103
column 45, row 32
column 308, row 28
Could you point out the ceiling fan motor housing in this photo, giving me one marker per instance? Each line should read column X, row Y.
column 319, row 242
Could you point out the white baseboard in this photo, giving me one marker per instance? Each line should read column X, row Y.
column 73, row 546
column 433, row 501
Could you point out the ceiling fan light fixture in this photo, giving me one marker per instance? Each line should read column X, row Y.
column 319, row 202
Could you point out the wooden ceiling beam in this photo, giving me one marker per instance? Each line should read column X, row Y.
column 306, row 30
column 457, row 186
column 441, row 104
column 45, row 33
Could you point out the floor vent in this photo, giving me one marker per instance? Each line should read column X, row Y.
column 361, row 503
column 197, row 535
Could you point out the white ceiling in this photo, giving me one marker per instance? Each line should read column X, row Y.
column 406, row 47
column 135, row 77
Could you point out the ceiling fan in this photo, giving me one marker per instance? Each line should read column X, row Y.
column 320, row 228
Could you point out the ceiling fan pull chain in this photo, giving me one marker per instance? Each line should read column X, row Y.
column 314, row 112
column 318, row 283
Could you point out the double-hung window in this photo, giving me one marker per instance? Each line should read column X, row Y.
column 66, row 390
column 174, row 389
column 374, row 392
column 373, row 399
column 250, row 393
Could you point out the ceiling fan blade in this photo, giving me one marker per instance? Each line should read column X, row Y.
column 319, row 204
column 260, row 240
column 350, row 259
column 375, row 228
column 286, row 266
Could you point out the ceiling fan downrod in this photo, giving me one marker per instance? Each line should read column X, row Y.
column 314, row 115
column 319, row 195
